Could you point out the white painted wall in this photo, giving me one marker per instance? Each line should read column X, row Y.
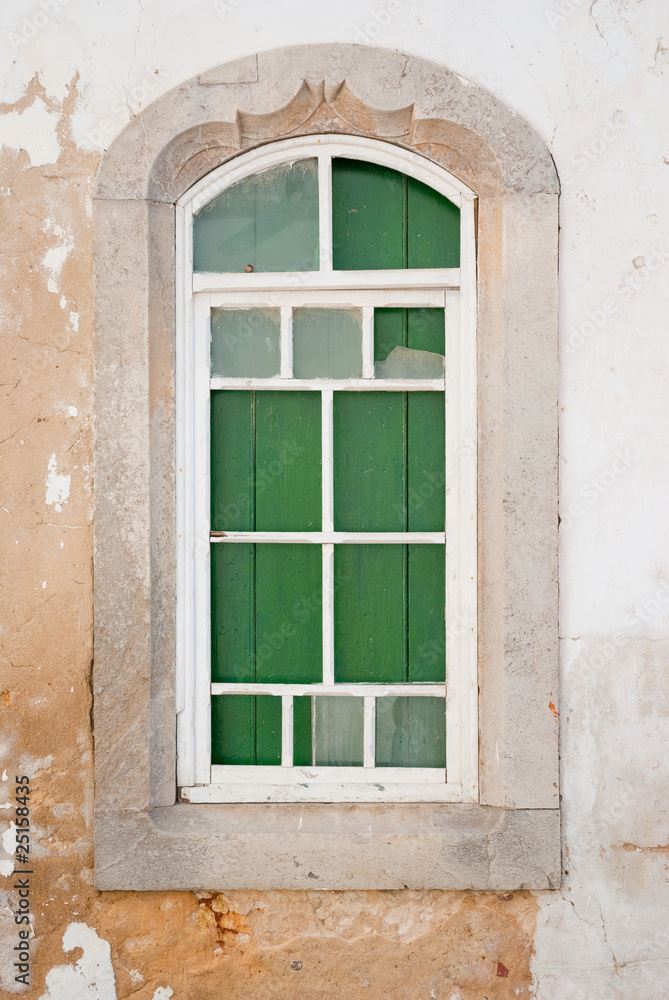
column 591, row 76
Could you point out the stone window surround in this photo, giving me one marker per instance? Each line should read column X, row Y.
column 144, row 839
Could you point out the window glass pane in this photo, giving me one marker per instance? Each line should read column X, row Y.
column 245, row 343
column 288, row 613
column 288, row 461
column 327, row 343
column 232, row 460
column 370, row 627
column 426, row 574
column 433, row 228
column 265, row 461
column 339, row 732
column 233, row 618
column 389, row 613
column 266, row 222
column 426, row 461
column 245, row 729
column 384, row 219
column 409, row 343
column 266, row 613
column 302, row 729
column 389, row 461
column 410, row 732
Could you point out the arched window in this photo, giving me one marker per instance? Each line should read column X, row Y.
column 298, row 483
column 326, row 478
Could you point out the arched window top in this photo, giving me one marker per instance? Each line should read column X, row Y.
column 326, row 203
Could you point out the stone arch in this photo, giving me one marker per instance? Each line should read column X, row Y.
column 165, row 149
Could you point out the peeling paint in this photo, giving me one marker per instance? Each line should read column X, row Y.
column 34, row 132
column 92, row 977
column 57, row 486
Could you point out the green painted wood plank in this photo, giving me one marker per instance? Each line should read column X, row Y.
column 268, row 730
column 268, row 221
column 288, row 461
column 327, row 343
column 302, row 755
column 369, row 461
column 245, row 343
column 245, row 729
column 370, row 619
column 410, row 732
column 232, row 460
column 382, row 218
column 368, row 216
column 433, row 228
column 426, row 461
column 233, row 738
column 233, row 612
column 288, row 613
column 427, row 599
column 426, row 330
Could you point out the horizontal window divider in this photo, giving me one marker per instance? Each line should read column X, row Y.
column 407, row 689
column 313, row 784
column 334, row 298
column 300, row 281
column 336, row 384
column 334, row 537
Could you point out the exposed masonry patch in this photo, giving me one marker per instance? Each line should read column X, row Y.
column 92, row 977
column 57, row 485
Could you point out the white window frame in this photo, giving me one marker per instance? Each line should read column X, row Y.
column 199, row 781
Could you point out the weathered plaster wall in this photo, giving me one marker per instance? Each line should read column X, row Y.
column 591, row 78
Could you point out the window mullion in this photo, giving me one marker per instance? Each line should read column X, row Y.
column 287, row 730
column 327, row 515
column 286, row 342
column 368, row 342
column 325, row 211
column 369, row 735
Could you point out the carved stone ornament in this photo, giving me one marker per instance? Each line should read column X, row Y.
column 316, row 109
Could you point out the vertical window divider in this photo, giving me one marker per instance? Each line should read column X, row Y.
column 368, row 341
column 286, row 730
column 198, row 443
column 286, row 341
column 327, row 515
column 325, row 211
column 369, row 732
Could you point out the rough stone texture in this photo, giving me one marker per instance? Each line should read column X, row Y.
column 359, row 846
column 378, row 78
